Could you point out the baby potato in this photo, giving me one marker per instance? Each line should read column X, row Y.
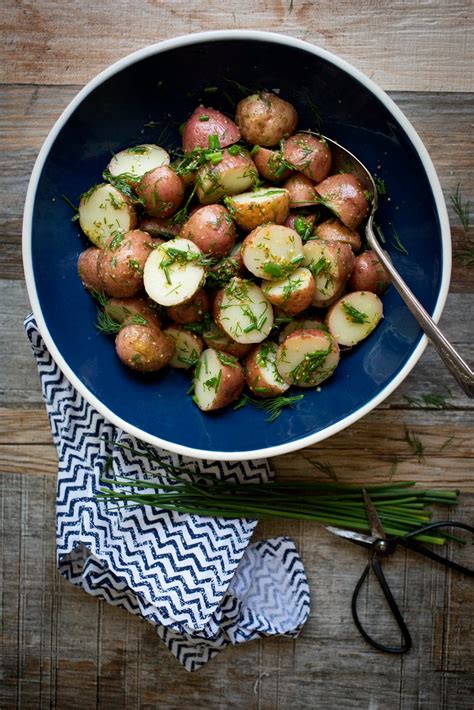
column 354, row 317
column 302, row 192
column 123, row 310
column 215, row 338
column 331, row 264
column 369, row 274
column 162, row 191
column 132, row 163
column 104, row 210
column 173, row 272
column 332, row 230
column 87, row 267
column 144, row 348
column 232, row 265
column 251, row 209
column 187, row 347
column 121, row 263
column 264, row 119
column 234, row 173
column 218, row 380
column 159, row 228
column 269, row 164
column 242, row 312
column 261, row 375
column 272, row 251
column 205, row 122
column 292, row 294
column 304, row 324
column 212, row 229
column 307, row 357
column 309, row 155
column 192, row 311
column 344, row 196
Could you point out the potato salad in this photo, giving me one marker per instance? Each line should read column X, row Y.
column 236, row 257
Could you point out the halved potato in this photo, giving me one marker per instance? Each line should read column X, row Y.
column 103, row 211
column 264, row 119
column 293, row 293
column 302, row 192
column 331, row 264
column 251, row 209
column 144, row 348
column 261, row 375
column 173, row 272
column 242, row 312
column 122, row 310
column 354, row 317
column 344, row 196
column 205, row 122
column 187, row 347
column 218, row 380
column 272, row 251
column 269, row 164
column 332, row 230
column 132, row 163
column 307, row 357
column 215, row 338
column 234, row 173
column 309, row 155
column 304, row 324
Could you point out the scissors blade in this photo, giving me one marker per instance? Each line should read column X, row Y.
column 373, row 518
column 351, row 535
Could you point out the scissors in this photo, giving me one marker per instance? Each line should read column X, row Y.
column 380, row 546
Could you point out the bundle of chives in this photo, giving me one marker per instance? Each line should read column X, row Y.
column 401, row 506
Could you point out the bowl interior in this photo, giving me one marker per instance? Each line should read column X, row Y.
column 147, row 102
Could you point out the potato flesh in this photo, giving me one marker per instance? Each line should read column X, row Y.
column 272, row 251
column 245, row 315
column 293, row 293
column 188, row 347
column 170, row 280
column 323, row 263
column 307, row 357
column 216, row 384
column 251, row 209
column 232, row 175
column 262, row 375
column 343, row 323
column 138, row 160
column 103, row 212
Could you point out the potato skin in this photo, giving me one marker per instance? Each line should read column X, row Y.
column 144, row 348
column 294, row 300
column 257, row 384
column 196, row 132
column 162, row 191
column 252, row 213
column 232, row 384
column 328, row 287
column 304, row 324
column 269, row 164
column 332, row 230
column 302, row 192
column 218, row 340
column 264, row 119
column 159, row 228
column 87, row 267
column 369, row 274
column 308, row 379
column 309, row 155
column 123, row 309
column 121, row 263
column 344, row 196
column 192, row 311
column 212, row 229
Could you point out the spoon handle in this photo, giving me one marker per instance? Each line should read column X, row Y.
column 451, row 358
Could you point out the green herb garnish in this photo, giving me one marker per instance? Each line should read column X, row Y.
column 461, row 208
column 397, row 244
column 273, row 406
column 354, row 314
column 413, row 441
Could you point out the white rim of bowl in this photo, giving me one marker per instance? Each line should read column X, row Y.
column 213, row 36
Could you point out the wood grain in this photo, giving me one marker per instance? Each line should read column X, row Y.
column 402, row 44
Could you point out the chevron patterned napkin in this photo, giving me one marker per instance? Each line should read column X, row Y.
column 198, row 580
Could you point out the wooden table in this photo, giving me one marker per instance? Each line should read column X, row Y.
column 61, row 648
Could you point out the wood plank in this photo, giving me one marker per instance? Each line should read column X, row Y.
column 28, row 112
column 62, row 648
column 407, row 46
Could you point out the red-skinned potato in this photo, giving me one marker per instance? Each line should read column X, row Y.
column 304, row 324
column 301, row 223
column 301, row 189
column 104, row 210
column 272, row 251
column 159, row 228
column 368, row 274
column 332, row 230
column 144, row 348
column 192, row 311
column 264, row 119
column 132, row 163
column 261, row 375
column 309, row 155
column 307, row 357
column 87, row 267
column 218, row 380
column 162, row 191
column 235, row 173
column 344, row 196
column 205, row 122
column 269, row 164
column 251, row 209
column 187, row 347
column 292, row 294
column 242, row 312
column 215, row 338
column 331, row 264
column 353, row 317
column 220, row 274
column 122, row 310
column 121, row 263
column 212, row 229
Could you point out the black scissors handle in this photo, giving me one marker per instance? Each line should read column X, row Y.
column 407, row 542
column 406, row 644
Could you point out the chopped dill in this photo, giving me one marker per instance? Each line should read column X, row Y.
column 417, row 447
column 273, row 406
column 397, row 243
column 461, row 208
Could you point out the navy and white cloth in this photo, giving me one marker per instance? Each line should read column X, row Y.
column 198, row 580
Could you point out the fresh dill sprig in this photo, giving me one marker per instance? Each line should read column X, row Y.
column 397, row 243
column 106, row 324
column 72, row 206
column 380, row 185
column 99, row 296
column 447, row 443
column 272, row 406
column 435, row 401
column 461, row 208
column 325, row 467
column 417, row 447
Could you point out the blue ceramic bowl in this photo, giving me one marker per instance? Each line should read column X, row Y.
column 143, row 98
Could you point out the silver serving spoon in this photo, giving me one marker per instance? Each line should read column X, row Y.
column 345, row 161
